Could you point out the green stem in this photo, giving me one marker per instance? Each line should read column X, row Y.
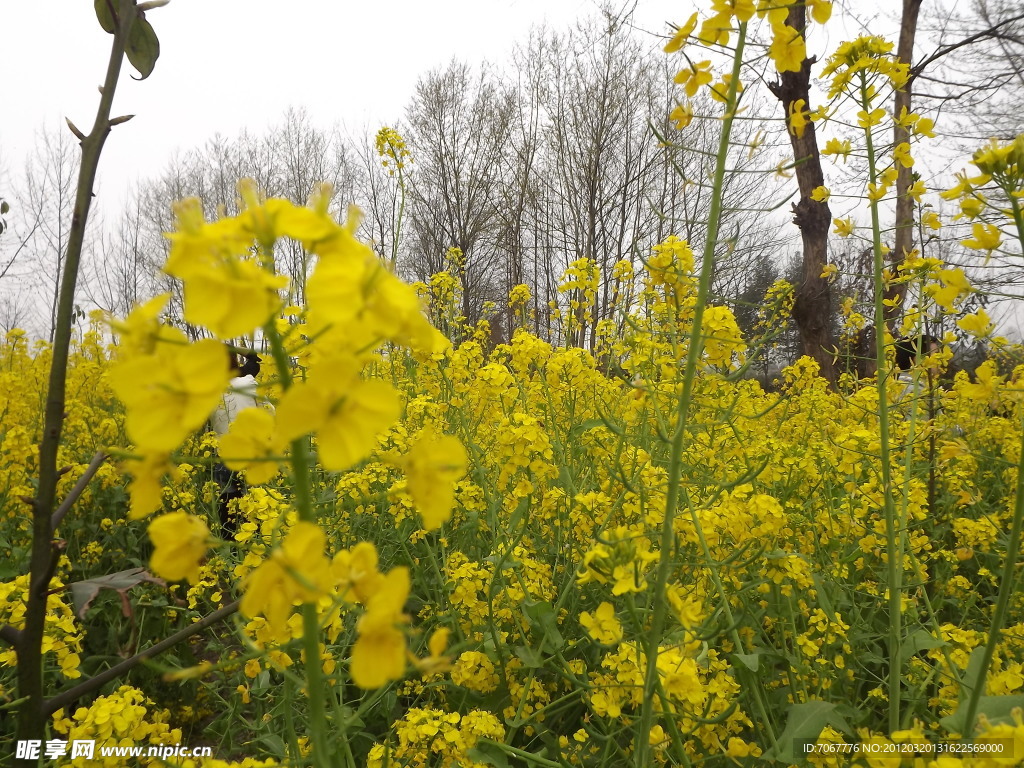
column 893, row 538
column 521, row 753
column 660, row 612
column 43, row 559
column 398, row 222
column 315, row 686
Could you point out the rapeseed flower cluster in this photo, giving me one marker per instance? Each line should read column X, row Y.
column 124, row 718
column 560, row 509
column 62, row 639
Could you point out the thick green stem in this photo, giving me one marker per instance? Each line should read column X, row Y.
column 528, row 757
column 398, row 222
column 315, row 687
column 43, row 560
column 660, row 613
column 893, row 533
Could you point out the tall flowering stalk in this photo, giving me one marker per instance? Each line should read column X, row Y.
column 787, row 47
column 394, row 156
column 355, row 304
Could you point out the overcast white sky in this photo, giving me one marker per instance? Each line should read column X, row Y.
column 229, row 64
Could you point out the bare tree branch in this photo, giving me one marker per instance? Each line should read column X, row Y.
column 118, row 670
column 80, row 486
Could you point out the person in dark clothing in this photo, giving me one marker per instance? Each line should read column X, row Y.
column 907, row 349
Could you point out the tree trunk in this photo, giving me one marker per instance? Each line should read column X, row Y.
column 813, row 306
column 904, row 238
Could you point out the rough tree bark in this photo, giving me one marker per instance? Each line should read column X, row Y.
column 904, row 237
column 813, row 306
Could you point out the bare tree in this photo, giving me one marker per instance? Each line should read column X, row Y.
column 519, row 193
column 287, row 161
column 125, row 273
column 967, row 39
column 48, row 197
column 459, row 127
column 600, row 161
column 15, row 311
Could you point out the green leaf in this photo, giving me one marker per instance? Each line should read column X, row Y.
column 4, row 207
column 544, row 619
column 104, row 14
column 972, row 673
column 274, row 743
column 751, row 661
column 9, row 571
column 488, row 754
column 583, row 426
column 822, row 596
column 142, row 47
column 922, row 640
column 996, row 708
column 531, row 657
column 803, row 726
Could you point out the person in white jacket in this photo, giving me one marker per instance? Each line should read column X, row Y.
column 240, row 394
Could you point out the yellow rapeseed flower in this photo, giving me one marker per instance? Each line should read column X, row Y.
column 356, row 573
column 867, row 119
column 681, row 34
column 180, row 542
column 436, row 661
column 837, row 147
column 715, row 29
column 743, row 10
column 297, row 571
column 379, row 655
column 226, row 289
column 432, row 466
column 821, row 10
column 233, row 298
column 249, row 446
column 798, row 118
column 694, row 76
column 146, row 487
column 602, row 624
column 843, row 227
column 170, row 394
column 346, row 412
column 681, row 115
column 978, row 325
column 720, row 90
column 901, row 154
column 987, row 237
column 787, row 49
column 140, row 331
